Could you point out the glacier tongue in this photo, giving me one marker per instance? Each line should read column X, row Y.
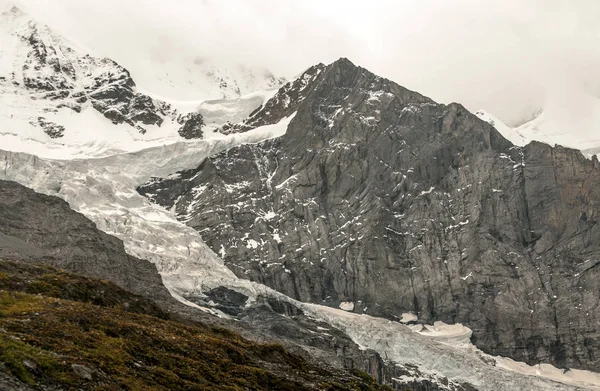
column 447, row 353
column 104, row 190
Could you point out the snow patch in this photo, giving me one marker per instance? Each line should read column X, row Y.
column 408, row 317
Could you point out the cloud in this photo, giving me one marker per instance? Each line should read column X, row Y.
column 507, row 56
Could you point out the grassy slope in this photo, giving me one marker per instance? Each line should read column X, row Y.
column 51, row 321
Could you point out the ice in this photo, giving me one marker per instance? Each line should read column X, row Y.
column 426, row 191
column 408, row 317
column 220, row 111
column 251, row 243
column 445, row 350
column 88, row 134
column 105, row 192
column 455, row 334
column 467, row 276
column 512, row 135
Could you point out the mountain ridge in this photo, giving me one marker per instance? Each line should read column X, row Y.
column 67, row 240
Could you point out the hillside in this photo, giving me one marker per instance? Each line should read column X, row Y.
column 71, row 332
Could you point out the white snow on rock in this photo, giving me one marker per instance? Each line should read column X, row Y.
column 98, row 174
column 575, row 377
column 408, row 317
column 509, row 133
column 549, row 127
column 87, row 133
column 443, row 350
column 104, row 190
column 189, row 78
column 217, row 112
column 455, row 334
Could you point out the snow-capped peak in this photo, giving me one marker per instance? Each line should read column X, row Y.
column 570, row 119
column 198, row 78
column 509, row 133
column 58, row 100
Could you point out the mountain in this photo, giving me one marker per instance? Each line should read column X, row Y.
column 427, row 358
column 570, row 121
column 379, row 201
column 38, row 230
column 56, row 94
column 342, row 216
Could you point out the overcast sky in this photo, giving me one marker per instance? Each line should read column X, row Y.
column 506, row 56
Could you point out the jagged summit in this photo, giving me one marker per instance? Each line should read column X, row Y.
column 341, row 189
column 341, row 74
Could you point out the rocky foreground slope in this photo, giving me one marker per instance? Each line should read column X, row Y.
column 61, row 331
column 380, row 201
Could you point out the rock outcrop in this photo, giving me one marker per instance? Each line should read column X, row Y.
column 381, row 198
column 44, row 228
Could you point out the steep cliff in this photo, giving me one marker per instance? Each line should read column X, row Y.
column 380, row 201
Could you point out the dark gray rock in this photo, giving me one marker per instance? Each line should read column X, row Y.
column 191, row 125
column 68, row 240
column 284, row 103
column 378, row 196
column 11, row 383
column 53, row 130
column 113, row 94
column 227, row 300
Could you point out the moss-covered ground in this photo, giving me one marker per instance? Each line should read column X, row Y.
column 53, row 323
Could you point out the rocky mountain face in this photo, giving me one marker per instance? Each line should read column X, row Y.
column 37, row 228
column 380, row 201
column 34, row 226
column 42, row 75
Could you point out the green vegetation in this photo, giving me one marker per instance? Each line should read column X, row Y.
column 80, row 333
